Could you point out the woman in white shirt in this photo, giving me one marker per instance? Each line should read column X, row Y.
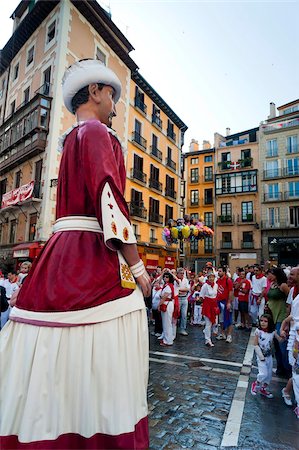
column 166, row 306
column 208, row 294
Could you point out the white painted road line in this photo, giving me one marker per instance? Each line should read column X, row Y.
column 195, row 358
column 163, row 361
column 232, row 429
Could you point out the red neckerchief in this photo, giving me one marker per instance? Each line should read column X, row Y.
column 210, row 284
column 157, row 288
column 296, row 291
column 258, row 277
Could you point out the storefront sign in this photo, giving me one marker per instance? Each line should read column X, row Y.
column 152, row 264
column 17, row 195
column 21, row 253
column 169, row 262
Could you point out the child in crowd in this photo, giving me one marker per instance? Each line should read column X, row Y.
column 197, row 311
column 263, row 341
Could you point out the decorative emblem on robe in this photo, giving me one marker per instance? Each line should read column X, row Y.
column 114, row 228
column 126, row 233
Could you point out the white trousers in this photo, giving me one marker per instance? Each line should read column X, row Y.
column 167, row 334
column 265, row 370
column 197, row 316
column 295, row 376
column 207, row 329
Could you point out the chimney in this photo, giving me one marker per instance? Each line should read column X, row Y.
column 193, row 145
column 272, row 111
column 206, row 145
column 227, row 131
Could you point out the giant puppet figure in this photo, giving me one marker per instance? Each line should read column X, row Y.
column 74, row 362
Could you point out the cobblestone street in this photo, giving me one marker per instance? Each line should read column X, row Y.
column 191, row 392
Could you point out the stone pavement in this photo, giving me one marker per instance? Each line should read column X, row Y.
column 191, row 389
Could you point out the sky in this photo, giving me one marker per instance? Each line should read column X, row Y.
column 217, row 64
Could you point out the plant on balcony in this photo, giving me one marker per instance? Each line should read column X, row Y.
column 225, row 219
column 185, row 229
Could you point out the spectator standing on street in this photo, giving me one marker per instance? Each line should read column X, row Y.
column 257, row 300
column 244, row 287
column 156, row 297
column 166, row 307
column 184, row 288
column 210, row 310
column 224, row 299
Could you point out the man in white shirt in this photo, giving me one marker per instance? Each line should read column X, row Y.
column 257, row 301
column 184, row 288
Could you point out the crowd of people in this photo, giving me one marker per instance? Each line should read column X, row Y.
column 252, row 297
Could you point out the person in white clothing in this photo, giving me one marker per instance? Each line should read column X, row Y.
column 208, row 294
column 184, row 288
column 257, row 300
column 166, row 306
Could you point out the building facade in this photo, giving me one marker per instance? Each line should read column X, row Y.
column 279, row 180
column 238, row 234
column 32, row 115
column 200, row 201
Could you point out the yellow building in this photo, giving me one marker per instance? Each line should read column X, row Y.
column 48, row 36
column 199, row 201
column 155, row 138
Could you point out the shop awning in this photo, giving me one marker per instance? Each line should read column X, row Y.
column 26, row 250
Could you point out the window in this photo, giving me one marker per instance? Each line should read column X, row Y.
column 135, row 230
column 208, row 158
column 46, row 81
column 154, row 141
column 153, row 235
column 209, row 219
column 169, row 154
column 194, row 197
column 32, row 226
column 37, row 178
column 273, row 191
column 272, row 149
column 208, row 196
column 18, row 176
column 294, row 216
column 194, row 161
column 136, row 197
column 195, row 216
column 51, row 32
column 226, row 240
column 26, row 95
column 247, row 211
column 169, row 187
column 194, row 176
column 137, row 127
column 247, row 239
column 16, row 71
column 194, row 247
column 3, row 185
column 294, row 189
column 154, row 178
column 168, row 213
column 209, row 173
column 273, row 216
column 248, row 182
column 225, row 157
column 12, row 233
column 272, row 169
column 208, row 244
column 12, row 107
column 292, row 144
column 30, row 56
column 154, row 208
column 245, row 154
column 293, row 166
column 226, row 212
column 101, row 56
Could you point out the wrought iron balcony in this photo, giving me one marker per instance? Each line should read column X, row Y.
column 225, row 220
column 291, row 195
column 275, row 197
column 272, row 173
column 247, row 244
column 155, row 184
column 156, row 120
column 138, row 139
column 291, row 172
column 137, row 210
column 170, row 193
column 140, row 104
column 246, row 162
column 156, row 152
column 226, row 244
column 137, row 174
column 208, row 201
column 170, row 163
column 171, row 134
column 155, row 218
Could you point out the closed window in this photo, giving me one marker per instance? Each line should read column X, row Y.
column 194, row 176
column 12, row 232
column 51, row 32
column 208, row 244
column 209, row 173
column 292, row 144
column 30, row 56
column 194, row 247
column 194, row 161
column 272, row 149
column 209, row 219
column 208, row 196
column 208, row 158
column 27, row 95
column 18, row 178
column 100, row 56
column 194, row 197
column 247, row 211
column 16, row 71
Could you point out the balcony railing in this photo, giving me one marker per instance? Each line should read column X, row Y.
column 170, row 193
column 138, row 139
column 155, row 184
column 232, row 143
column 156, row 120
column 140, row 104
column 156, row 152
column 290, row 195
column 275, row 197
column 247, row 244
column 137, row 174
column 209, row 250
column 208, row 201
column 226, row 244
column 246, row 162
column 272, row 173
column 155, row 218
column 277, row 126
column 225, row 220
column 208, row 178
column 291, row 172
column 246, row 218
column 266, row 224
column 137, row 210
column 171, row 134
column 193, row 203
column 170, row 163
column 224, row 165
column 153, row 240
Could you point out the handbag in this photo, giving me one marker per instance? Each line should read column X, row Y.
column 163, row 307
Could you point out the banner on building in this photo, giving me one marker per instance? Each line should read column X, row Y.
column 169, row 262
column 17, row 195
column 152, row 264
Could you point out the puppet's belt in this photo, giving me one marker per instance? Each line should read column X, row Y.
column 79, row 223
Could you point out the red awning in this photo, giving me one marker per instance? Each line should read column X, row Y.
column 26, row 250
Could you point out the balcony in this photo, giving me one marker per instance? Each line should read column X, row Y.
column 267, row 225
column 136, row 210
column 171, row 134
column 278, row 126
column 291, row 195
column 138, row 103
column 156, row 152
column 155, row 218
column 30, row 192
column 246, row 162
column 226, row 244
column 225, row 220
column 139, row 140
column 153, row 240
column 155, row 184
column 247, row 244
column 170, row 193
column 272, row 173
column 208, row 201
column 23, row 134
column 275, row 197
column 157, row 121
column 246, row 218
column 291, row 172
column 224, row 165
column 193, row 203
column 138, row 175
column 170, row 163
column 232, row 143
